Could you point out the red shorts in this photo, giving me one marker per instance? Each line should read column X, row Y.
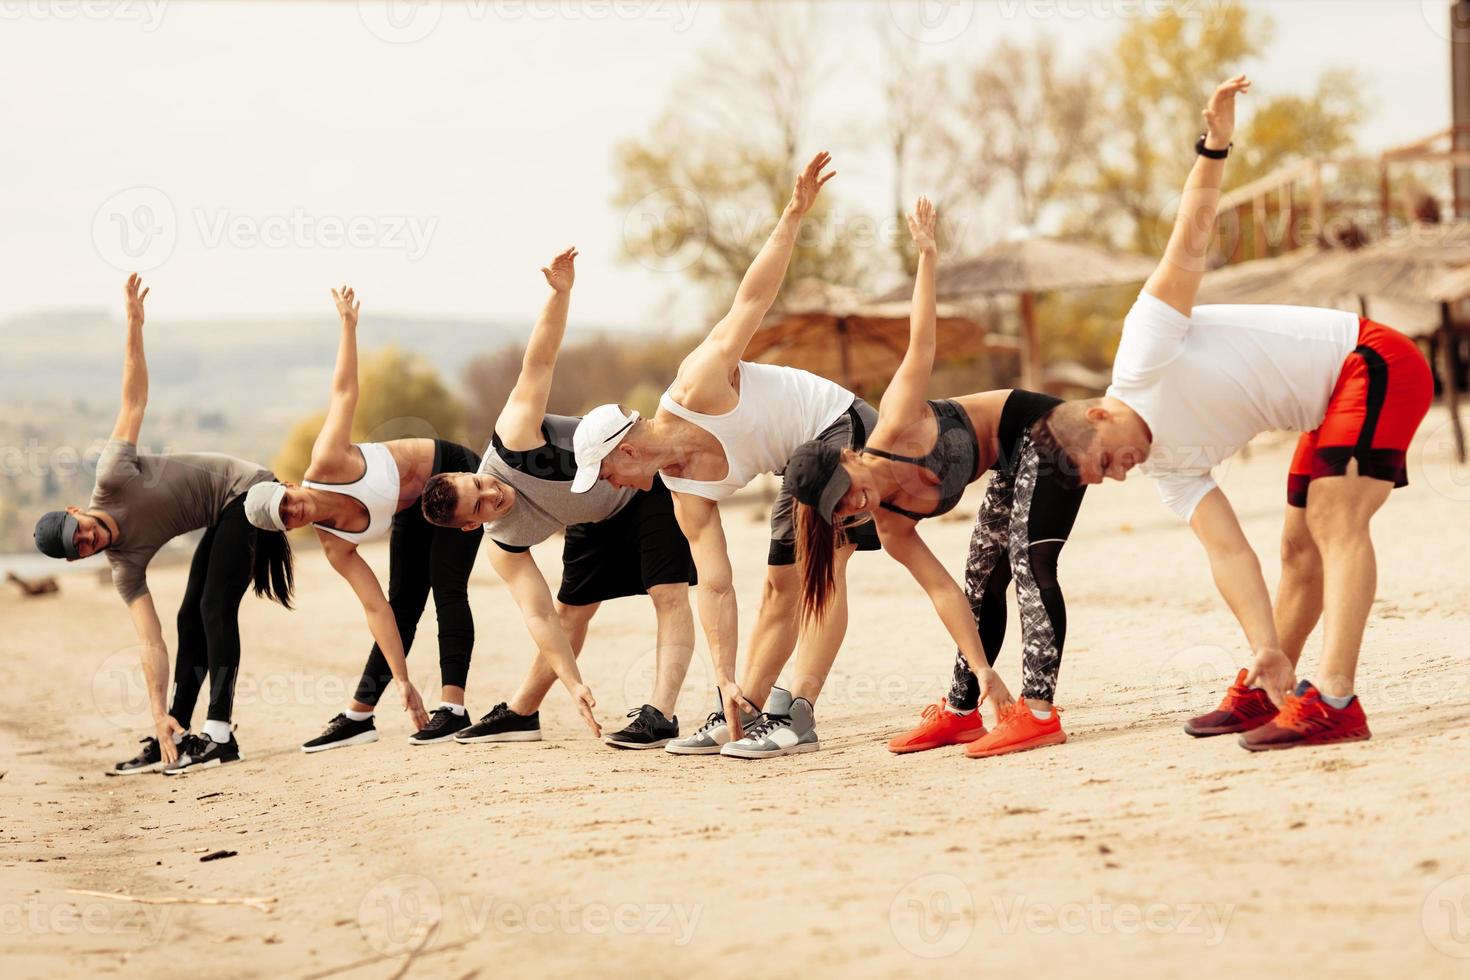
column 1382, row 395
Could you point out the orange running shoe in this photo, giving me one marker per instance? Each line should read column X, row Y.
column 939, row 727
column 1242, row 709
column 1019, row 731
column 1308, row 720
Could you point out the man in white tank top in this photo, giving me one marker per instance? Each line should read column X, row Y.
column 721, row 423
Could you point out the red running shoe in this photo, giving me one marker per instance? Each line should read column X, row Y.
column 1243, row 709
column 1020, row 731
column 1308, row 720
column 939, row 727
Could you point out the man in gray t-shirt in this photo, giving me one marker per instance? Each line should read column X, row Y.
column 140, row 503
column 152, row 499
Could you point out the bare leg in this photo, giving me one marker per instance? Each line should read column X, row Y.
column 1299, row 597
column 675, row 644
column 542, row 678
column 774, row 637
column 820, row 643
column 1339, row 510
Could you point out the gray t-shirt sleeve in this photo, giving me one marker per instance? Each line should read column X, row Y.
column 129, row 575
column 117, row 465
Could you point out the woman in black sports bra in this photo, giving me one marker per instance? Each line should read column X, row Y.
column 917, row 463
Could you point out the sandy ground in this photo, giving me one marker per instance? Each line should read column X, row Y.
column 1132, row 850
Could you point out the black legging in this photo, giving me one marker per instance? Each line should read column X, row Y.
column 209, row 624
column 422, row 557
column 1019, row 533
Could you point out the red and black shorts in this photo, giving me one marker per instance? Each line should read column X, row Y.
column 1382, row 395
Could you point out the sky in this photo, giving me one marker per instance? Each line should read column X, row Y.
column 248, row 156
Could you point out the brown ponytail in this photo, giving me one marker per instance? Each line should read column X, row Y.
column 816, row 554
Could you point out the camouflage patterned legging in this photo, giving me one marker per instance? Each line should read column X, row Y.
column 1022, row 525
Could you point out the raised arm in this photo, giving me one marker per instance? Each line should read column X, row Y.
column 135, row 368
column 336, row 434
column 1176, row 280
column 729, row 338
column 903, row 402
column 519, row 423
column 533, row 596
column 900, row 537
column 699, row 519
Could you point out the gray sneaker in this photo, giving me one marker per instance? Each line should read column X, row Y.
column 715, row 732
column 778, row 734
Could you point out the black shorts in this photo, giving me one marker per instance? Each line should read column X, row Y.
column 850, row 431
column 637, row 548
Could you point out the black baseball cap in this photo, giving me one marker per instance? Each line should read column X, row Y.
column 816, row 477
column 56, row 535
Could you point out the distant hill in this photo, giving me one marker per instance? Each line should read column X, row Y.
column 276, row 368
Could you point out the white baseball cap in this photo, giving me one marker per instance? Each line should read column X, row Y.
column 598, row 434
column 263, row 505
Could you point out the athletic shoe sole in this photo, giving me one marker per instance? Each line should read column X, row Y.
column 211, row 764
column 1040, row 742
column 156, row 767
column 737, row 753
column 500, row 737
column 673, row 749
column 415, row 740
column 1207, row 732
column 935, row 745
column 361, row 738
column 657, row 744
column 1359, row 735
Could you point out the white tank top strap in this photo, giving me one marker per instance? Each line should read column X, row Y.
column 377, row 490
column 779, row 408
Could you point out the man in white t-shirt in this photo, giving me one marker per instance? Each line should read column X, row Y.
column 1191, row 386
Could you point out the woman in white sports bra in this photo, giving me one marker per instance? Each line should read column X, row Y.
column 357, row 492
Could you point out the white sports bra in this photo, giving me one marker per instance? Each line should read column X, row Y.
column 377, row 491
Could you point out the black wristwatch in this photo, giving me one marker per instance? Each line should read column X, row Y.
column 1209, row 154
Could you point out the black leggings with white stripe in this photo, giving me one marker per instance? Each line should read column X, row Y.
column 1023, row 523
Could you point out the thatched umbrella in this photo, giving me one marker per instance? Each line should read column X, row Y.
column 1029, row 266
column 833, row 331
column 1273, row 281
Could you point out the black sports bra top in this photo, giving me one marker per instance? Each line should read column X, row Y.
column 954, row 460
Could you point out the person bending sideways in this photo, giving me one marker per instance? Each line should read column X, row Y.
column 916, row 464
column 358, row 492
column 1191, row 385
column 141, row 502
column 722, row 423
column 618, row 542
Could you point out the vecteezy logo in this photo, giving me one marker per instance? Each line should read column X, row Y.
column 135, row 230
column 1437, row 452
column 932, row 21
column 933, row 916
column 1445, row 917
column 667, row 230
column 400, row 21
column 396, row 914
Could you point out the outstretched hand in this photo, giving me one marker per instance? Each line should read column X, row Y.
column 347, row 304
column 582, row 695
column 810, row 181
column 561, row 273
column 922, row 224
column 1220, row 113
column 1272, row 671
column 135, row 299
column 735, row 705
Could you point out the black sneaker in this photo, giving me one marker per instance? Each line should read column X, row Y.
column 443, row 725
column 341, row 732
column 503, row 725
column 149, row 760
column 649, row 730
column 202, row 752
